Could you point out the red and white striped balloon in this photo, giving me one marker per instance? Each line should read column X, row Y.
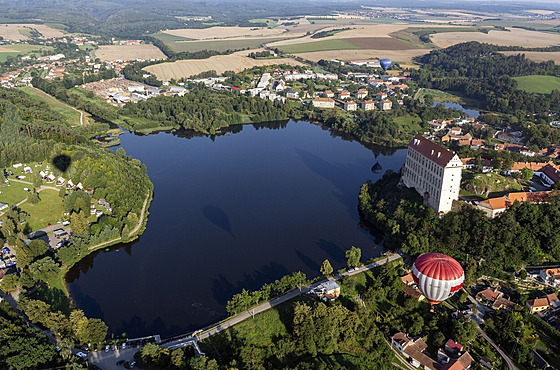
column 438, row 276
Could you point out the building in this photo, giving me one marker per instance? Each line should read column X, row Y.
column 350, row 105
column 328, row 94
column 413, row 349
column 494, row 206
column 385, row 104
column 381, row 96
column 3, row 206
column 537, row 305
column 367, row 105
column 344, row 95
column 550, row 174
column 551, row 276
column 292, row 95
column 361, row 94
column 323, row 103
column 434, row 172
column 327, row 291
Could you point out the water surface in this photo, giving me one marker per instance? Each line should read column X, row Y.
column 229, row 212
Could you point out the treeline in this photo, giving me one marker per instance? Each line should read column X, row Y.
column 323, row 34
column 134, row 72
column 245, row 300
column 525, row 234
column 205, row 111
column 379, row 127
column 60, row 90
column 482, row 73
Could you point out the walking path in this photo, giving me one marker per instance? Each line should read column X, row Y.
column 477, row 318
column 284, row 298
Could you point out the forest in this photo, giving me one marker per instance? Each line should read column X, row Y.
column 205, row 111
column 482, row 73
column 30, row 131
column 524, row 235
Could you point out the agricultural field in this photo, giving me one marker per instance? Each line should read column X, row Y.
column 419, row 36
column 403, row 57
column 512, row 37
column 270, row 22
column 128, row 52
column 223, row 32
column 220, row 45
column 71, row 115
column 538, row 84
column 537, row 56
column 17, row 32
column 323, row 45
column 21, row 49
column 220, row 63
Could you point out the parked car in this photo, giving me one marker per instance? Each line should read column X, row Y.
column 120, row 362
column 123, row 345
column 107, row 348
column 132, row 364
column 82, row 355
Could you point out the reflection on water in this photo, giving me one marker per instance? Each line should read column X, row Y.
column 231, row 211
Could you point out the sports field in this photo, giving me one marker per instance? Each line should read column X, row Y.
column 538, row 84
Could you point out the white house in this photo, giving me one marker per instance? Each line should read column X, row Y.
column 434, row 172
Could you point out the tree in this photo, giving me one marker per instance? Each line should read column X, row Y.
column 353, row 256
column 79, row 222
column 326, row 268
column 37, row 181
column 94, row 331
column 36, row 310
column 37, row 247
column 45, row 269
column 178, row 358
column 527, row 173
column 465, row 330
column 9, row 283
column 33, row 197
column 62, row 192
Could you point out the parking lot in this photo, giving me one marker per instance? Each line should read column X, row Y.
column 108, row 360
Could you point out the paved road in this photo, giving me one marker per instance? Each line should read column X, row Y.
column 286, row 297
column 108, row 360
column 477, row 318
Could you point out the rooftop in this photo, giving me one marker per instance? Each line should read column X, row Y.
column 436, row 153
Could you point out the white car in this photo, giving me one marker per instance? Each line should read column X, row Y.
column 82, row 355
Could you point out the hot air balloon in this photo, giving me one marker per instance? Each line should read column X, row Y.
column 438, row 276
column 385, row 64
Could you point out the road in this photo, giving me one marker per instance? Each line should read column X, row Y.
column 477, row 318
column 286, row 297
column 107, row 361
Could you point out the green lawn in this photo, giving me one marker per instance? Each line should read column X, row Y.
column 323, row 45
column 49, row 210
column 270, row 22
column 23, row 49
column 538, row 83
column 13, row 193
column 25, row 31
column 72, row 116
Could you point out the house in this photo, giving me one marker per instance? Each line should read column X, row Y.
column 472, row 163
column 292, row 95
column 414, row 351
column 328, row 94
column 551, row 276
column 90, row 191
column 464, row 362
column 69, row 184
column 510, row 137
column 385, row 104
column 553, row 301
column 344, row 95
column 177, row 90
column 494, row 206
column 367, row 105
column 60, row 181
column 380, row 96
column 328, row 291
column 434, row 171
column 323, row 103
column 489, row 294
column 408, row 279
column 550, row 174
column 50, row 178
column 537, row 305
column 455, row 130
column 495, row 299
column 350, row 105
column 535, row 166
column 438, row 125
column 279, row 85
column 361, row 94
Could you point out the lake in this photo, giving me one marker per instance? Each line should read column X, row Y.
column 470, row 112
column 229, row 212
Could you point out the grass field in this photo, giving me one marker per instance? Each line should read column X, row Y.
column 223, row 32
column 128, row 52
column 165, row 37
column 538, row 84
column 412, row 34
column 72, row 116
column 49, row 210
column 21, row 31
column 323, row 45
column 270, row 22
column 21, row 49
column 13, row 193
column 220, row 45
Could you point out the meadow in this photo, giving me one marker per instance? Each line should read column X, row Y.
column 538, row 84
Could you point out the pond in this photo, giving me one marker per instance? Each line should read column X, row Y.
column 470, row 112
column 230, row 212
